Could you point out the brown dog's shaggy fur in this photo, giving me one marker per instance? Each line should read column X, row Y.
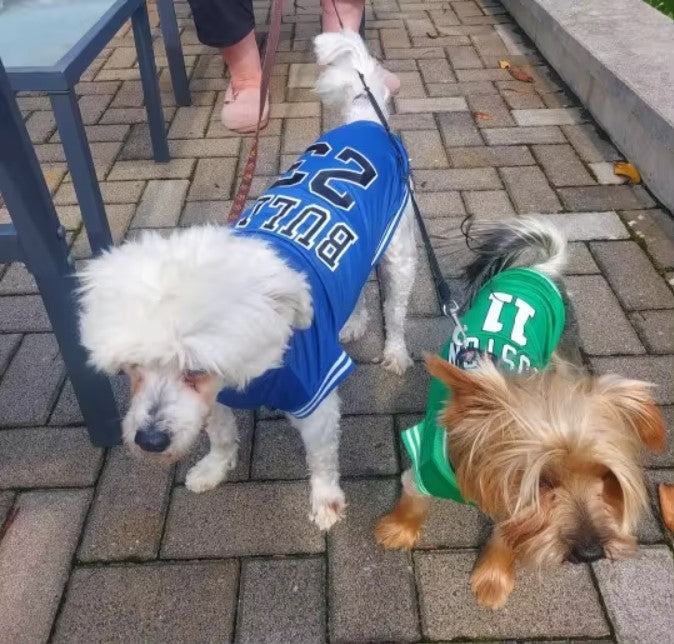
column 552, row 457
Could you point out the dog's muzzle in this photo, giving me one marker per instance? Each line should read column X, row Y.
column 586, row 552
column 152, row 440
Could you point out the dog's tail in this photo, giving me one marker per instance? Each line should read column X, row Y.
column 344, row 55
column 526, row 241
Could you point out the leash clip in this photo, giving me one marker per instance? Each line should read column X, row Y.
column 451, row 310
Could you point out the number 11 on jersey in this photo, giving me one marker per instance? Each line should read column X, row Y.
column 492, row 323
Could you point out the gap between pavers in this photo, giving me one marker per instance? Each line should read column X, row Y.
column 35, row 561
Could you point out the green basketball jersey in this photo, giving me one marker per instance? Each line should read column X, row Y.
column 517, row 317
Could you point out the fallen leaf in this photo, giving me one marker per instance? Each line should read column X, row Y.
column 483, row 116
column 430, row 35
column 520, row 75
column 666, row 492
column 504, row 64
column 629, row 170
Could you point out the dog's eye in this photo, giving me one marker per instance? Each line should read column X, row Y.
column 194, row 373
column 545, row 483
column 192, row 377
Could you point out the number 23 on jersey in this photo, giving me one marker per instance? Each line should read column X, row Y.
column 309, row 225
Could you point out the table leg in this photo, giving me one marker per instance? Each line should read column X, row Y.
column 81, row 166
column 45, row 252
column 174, row 51
column 148, row 76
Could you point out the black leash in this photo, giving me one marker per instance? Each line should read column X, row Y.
column 448, row 305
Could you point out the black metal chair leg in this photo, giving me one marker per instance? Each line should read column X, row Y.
column 37, row 238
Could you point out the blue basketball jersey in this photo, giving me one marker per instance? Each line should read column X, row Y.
column 330, row 216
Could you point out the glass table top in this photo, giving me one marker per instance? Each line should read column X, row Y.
column 38, row 33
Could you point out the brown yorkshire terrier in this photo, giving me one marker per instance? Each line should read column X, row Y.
column 548, row 452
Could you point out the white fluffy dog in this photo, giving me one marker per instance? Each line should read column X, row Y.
column 211, row 319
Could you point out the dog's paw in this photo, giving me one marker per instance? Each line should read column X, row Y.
column 392, row 534
column 327, row 507
column 491, row 586
column 355, row 326
column 396, row 360
column 209, row 472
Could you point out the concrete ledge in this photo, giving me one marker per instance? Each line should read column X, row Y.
column 618, row 57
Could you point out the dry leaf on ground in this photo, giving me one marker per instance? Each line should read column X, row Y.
column 666, row 491
column 482, row 116
column 629, row 170
column 520, row 75
column 504, row 64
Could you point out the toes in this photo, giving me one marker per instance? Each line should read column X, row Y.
column 397, row 362
column 200, row 482
column 328, row 511
column 208, row 474
column 354, row 330
column 325, row 517
column 393, row 535
column 491, row 588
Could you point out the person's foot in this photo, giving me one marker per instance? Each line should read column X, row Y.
column 241, row 108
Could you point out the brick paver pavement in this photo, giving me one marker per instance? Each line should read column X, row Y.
column 104, row 548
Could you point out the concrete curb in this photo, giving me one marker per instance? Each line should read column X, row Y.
column 618, row 57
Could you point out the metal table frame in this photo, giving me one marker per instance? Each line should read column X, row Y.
column 59, row 82
column 168, row 24
column 36, row 237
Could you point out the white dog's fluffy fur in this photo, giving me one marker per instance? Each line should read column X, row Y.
column 205, row 309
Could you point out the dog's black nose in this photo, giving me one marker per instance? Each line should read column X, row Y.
column 587, row 551
column 152, row 440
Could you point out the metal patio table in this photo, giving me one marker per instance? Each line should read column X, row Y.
column 46, row 45
column 36, row 238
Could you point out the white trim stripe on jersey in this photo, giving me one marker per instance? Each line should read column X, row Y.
column 391, row 228
column 412, row 440
column 341, row 365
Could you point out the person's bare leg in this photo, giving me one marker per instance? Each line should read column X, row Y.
column 351, row 13
column 243, row 61
column 242, row 97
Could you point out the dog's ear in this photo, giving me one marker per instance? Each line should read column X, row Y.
column 292, row 300
column 459, row 381
column 631, row 400
column 487, row 381
column 297, row 308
